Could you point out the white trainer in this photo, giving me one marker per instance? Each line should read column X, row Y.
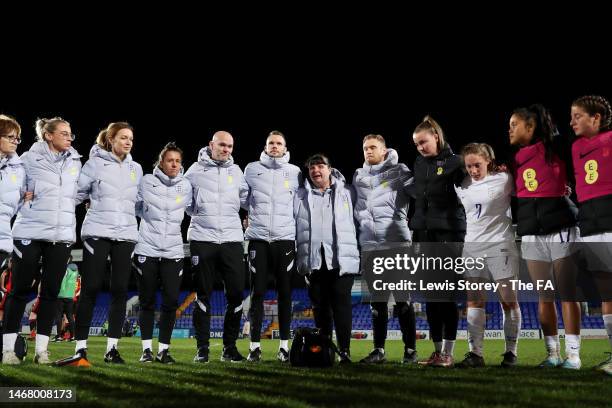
column 10, row 358
column 42, row 358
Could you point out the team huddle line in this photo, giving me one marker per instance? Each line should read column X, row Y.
column 314, row 222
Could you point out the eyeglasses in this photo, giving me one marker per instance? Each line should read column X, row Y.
column 67, row 135
column 13, row 139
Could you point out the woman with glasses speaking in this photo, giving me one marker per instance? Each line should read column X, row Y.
column 45, row 228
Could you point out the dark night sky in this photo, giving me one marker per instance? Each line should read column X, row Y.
column 325, row 92
column 327, row 113
column 325, row 79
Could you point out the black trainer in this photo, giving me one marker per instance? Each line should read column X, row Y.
column 376, row 356
column 113, row 357
column 282, row 355
column 344, row 357
column 164, row 357
column 201, row 356
column 471, row 360
column 147, row 356
column 254, row 355
column 232, row 354
column 410, row 357
column 81, row 353
column 509, row 359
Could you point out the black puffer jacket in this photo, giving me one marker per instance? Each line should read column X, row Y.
column 545, row 215
column 595, row 216
column 436, row 205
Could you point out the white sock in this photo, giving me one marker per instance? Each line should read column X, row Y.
column 8, row 342
column 512, row 327
column 163, row 347
column 254, row 345
column 110, row 343
column 381, row 349
column 80, row 344
column 284, row 344
column 147, row 344
column 607, row 318
column 42, row 342
column 572, row 345
column 476, row 319
column 448, row 347
column 552, row 344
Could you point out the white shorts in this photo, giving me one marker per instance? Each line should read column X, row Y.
column 496, row 268
column 597, row 250
column 550, row 247
column 501, row 260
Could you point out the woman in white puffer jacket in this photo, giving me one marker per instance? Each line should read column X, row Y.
column 162, row 200
column 110, row 179
column 45, row 228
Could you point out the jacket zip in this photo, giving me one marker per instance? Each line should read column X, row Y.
column 167, row 215
column 271, row 206
column 220, row 204
column 59, row 200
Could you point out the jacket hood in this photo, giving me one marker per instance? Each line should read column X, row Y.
column 98, row 151
column 157, row 172
column 11, row 160
column 205, row 159
column 391, row 159
column 273, row 162
column 42, row 149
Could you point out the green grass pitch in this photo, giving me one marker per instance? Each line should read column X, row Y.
column 272, row 384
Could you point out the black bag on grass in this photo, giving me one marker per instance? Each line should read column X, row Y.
column 21, row 347
column 311, row 349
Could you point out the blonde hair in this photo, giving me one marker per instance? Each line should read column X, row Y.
column 430, row 125
column 43, row 126
column 376, row 137
column 483, row 150
column 105, row 136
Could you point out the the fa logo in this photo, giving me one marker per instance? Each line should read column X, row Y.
column 545, row 284
column 195, row 260
column 142, row 259
column 252, row 254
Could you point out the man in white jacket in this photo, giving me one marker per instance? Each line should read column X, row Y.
column 215, row 236
column 272, row 182
column 381, row 211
